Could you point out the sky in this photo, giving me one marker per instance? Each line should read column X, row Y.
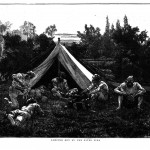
column 72, row 18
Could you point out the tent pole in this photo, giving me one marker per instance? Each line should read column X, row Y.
column 58, row 67
column 58, row 60
column 58, row 40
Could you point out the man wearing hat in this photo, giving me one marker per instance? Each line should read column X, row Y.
column 19, row 117
column 130, row 92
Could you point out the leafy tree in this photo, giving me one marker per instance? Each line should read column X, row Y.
column 43, row 44
column 112, row 30
column 77, row 50
column 4, row 27
column 12, row 41
column 118, row 26
column 125, row 22
column 91, row 40
column 107, row 28
column 43, row 41
column 28, row 29
column 21, row 56
column 16, row 54
column 129, row 41
column 50, row 30
column 107, row 43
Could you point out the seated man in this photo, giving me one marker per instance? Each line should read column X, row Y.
column 41, row 93
column 60, row 87
column 20, row 86
column 19, row 117
column 97, row 90
column 32, row 93
column 130, row 91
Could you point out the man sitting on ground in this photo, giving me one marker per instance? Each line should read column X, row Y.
column 42, row 94
column 60, row 87
column 130, row 91
column 19, row 117
column 97, row 91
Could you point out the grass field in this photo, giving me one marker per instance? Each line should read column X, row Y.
column 106, row 122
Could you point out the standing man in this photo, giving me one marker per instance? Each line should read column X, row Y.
column 130, row 91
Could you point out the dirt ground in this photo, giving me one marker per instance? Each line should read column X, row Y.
column 106, row 122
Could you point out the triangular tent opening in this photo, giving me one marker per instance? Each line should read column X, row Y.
column 53, row 72
column 78, row 73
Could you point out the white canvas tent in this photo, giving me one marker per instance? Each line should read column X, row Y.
column 77, row 71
